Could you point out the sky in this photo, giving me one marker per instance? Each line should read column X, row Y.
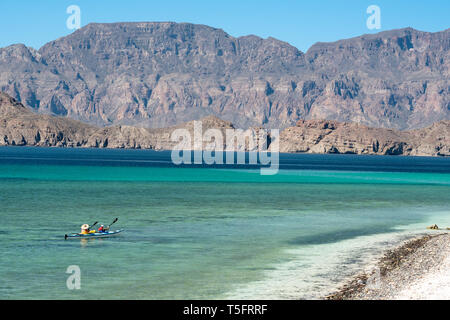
column 300, row 23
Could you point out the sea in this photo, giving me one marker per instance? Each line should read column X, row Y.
column 206, row 232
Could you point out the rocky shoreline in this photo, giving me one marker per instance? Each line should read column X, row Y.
column 415, row 270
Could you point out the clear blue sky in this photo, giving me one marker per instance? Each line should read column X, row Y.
column 301, row 23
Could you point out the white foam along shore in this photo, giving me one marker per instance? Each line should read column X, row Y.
column 417, row 270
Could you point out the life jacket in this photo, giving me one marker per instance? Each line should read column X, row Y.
column 87, row 231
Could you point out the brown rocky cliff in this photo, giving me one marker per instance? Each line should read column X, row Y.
column 160, row 74
column 20, row 126
column 323, row 136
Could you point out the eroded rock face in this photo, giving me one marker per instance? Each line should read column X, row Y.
column 162, row 74
column 20, row 126
column 323, row 136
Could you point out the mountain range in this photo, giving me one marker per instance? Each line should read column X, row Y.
column 20, row 126
column 161, row 74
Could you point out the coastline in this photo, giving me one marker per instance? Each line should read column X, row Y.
column 415, row 270
column 435, row 156
column 20, row 126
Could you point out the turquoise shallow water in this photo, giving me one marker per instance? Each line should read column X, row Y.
column 205, row 233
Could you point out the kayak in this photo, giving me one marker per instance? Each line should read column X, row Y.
column 92, row 235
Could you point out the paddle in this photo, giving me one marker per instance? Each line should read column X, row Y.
column 115, row 220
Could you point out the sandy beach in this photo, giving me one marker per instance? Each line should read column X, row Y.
column 418, row 269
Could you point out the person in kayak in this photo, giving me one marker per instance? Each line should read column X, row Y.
column 102, row 229
column 85, row 229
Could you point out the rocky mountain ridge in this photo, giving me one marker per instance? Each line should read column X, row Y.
column 20, row 126
column 159, row 74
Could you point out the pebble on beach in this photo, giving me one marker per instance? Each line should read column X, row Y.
column 417, row 270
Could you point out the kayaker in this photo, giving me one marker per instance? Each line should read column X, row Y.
column 85, row 229
column 102, row 229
